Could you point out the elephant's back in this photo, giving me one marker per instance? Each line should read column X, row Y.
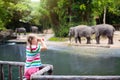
column 84, row 30
column 84, row 27
column 21, row 29
column 81, row 26
column 104, row 27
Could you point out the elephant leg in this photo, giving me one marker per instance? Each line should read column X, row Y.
column 19, row 33
column 24, row 33
column 75, row 39
column 36, row 31
column 110, row 40
column 88, row 40
column 79, row 39
column 70, row 39
column 98, row 39
column 16, row 33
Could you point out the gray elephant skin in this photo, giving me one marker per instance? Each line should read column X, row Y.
column 104, row 30
column 20, row 30
column 81, row 31
column 34, row 29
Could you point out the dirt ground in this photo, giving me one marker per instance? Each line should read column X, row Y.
column 103, row 41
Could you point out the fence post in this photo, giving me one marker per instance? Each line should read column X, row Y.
column 1, row 72
column 9, row 72
column 20, row 72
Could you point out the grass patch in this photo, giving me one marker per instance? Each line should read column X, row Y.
column 58, row 39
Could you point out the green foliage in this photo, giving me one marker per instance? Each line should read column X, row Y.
column 1, row 25
column 12, row 11
column 65, row 12
column 62, row 32
column 58, row 14
column 111, row 5
column 58, row 39
column 82, row 7
column 3, row 14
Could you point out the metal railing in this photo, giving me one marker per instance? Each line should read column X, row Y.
column 73, row 77
column 20, row 65
column 46, row 69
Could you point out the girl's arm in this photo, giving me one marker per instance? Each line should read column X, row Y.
column 43, row 45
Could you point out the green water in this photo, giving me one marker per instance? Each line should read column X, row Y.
column 69, row 60
column 83, row 61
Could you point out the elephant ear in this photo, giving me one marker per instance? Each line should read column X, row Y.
column 93, row 27
column 71, row 31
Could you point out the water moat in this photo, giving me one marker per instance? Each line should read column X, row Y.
column 70, row 60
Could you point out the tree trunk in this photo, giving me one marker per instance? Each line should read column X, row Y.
column 104, row 16
column 70, row 12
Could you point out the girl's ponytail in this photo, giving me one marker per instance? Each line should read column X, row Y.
column 30, row 38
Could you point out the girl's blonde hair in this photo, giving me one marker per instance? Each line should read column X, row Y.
column 30, row 37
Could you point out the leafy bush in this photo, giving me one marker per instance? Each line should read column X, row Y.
column 1, row 25
column 58, row 39
column 62, row 32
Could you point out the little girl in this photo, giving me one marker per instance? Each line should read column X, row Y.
column 33, row 60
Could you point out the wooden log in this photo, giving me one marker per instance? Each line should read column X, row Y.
column 70, row 77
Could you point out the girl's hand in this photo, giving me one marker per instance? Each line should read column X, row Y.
column 40, row 39
column 43, row 39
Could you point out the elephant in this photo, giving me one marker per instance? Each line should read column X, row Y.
column 104, row 30
column 34, row 29
column 81, row 31
column 20, row 30
column 71, row 32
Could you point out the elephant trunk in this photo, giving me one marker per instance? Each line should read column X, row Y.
column 69, row 37
column 93, row 29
